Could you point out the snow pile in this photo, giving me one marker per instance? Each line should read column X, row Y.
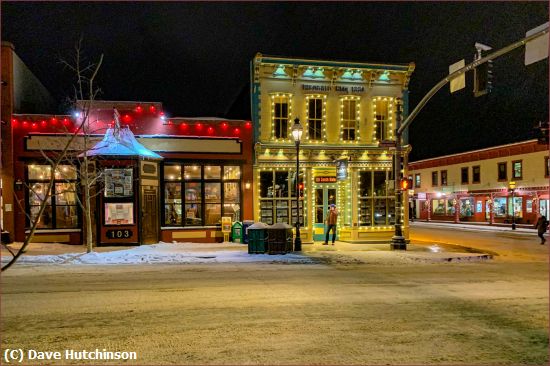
column 164, row 253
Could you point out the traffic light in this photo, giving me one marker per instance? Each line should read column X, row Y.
column 483, row 79
column 406, row 184
column 542, row 133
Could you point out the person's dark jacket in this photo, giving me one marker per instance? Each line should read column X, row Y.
column 541, row 225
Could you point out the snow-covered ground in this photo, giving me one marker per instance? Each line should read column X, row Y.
column 163, row 253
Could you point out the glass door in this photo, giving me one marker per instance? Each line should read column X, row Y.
column 324, row 197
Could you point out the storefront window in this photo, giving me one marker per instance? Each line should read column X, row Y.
column 450, row 208
column 543, row 208
column 376, row 206
column 231, row 172
column 205, row 198
column 516, row 206
column 278, row 197
column 438, row 207
column 466, row 207
column 61, row 211
column 499, row 206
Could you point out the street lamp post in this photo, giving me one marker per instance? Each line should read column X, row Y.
column 297, row 131
column 512, row 188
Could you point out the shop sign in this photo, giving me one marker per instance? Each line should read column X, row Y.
column 325, row 179
column 336, row 88
column 421, row 195
column 324, row 175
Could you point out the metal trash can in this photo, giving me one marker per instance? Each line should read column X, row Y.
column 257, row 238
column 246, row 224
column 279, row 238
column 237, row 232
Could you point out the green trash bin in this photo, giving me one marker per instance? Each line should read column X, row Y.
column 257, row 238
column 279, row 238
column 237, row 232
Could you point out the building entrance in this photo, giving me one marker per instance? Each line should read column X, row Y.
column 324, row 197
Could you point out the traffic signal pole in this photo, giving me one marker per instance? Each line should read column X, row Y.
column 461, row 71
column 398, row 241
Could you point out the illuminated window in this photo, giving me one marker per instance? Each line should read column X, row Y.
column 315, row 118
column 198, row 194
column 61, row 211
column 382, row 118
column 350, row 117
column 443, row 177
column 517, row 169
column 417, row 181
column 278, row 197
column 280, row 116
column 376, row 199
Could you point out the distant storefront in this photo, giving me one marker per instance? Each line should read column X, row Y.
column 346, row 110
column 494, row 185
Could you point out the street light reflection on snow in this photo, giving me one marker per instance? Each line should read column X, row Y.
column 435, row 248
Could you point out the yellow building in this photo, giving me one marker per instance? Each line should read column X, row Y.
column 346, row 109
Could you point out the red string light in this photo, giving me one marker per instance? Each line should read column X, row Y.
column 54, row 121
column 210, row 130
column 139, row 109
column 43, row 123
column 247, row 125
column 236, row 131
column 152, row 109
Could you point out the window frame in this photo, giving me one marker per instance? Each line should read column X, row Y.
column 505, row 165
column 417, row 182
column 279, row 119
column 462, row 170
column 514, row 177
column 443, row 174
column 271, row 206
column 345, row 123
column 203, row 181
column 381, row 130
column 474, row 180
column 367, row 203
column 435, row 178
column 54, row 205
column 546, row 168
column 319, row 127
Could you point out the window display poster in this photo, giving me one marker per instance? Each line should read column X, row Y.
column 118, row 182
column 119, row 214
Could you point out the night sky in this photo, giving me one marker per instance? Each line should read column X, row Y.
column 194, row 57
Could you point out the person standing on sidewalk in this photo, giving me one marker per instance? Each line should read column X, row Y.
column 542, row 226
column 332, row 217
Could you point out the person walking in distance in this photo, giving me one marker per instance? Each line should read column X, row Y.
column 332, row 217
column 541, row 225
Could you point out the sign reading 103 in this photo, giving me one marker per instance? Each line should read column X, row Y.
column 119, row 234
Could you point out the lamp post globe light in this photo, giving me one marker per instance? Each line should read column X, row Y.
column 297, row 131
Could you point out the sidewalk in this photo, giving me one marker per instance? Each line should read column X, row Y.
column 472, row 226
